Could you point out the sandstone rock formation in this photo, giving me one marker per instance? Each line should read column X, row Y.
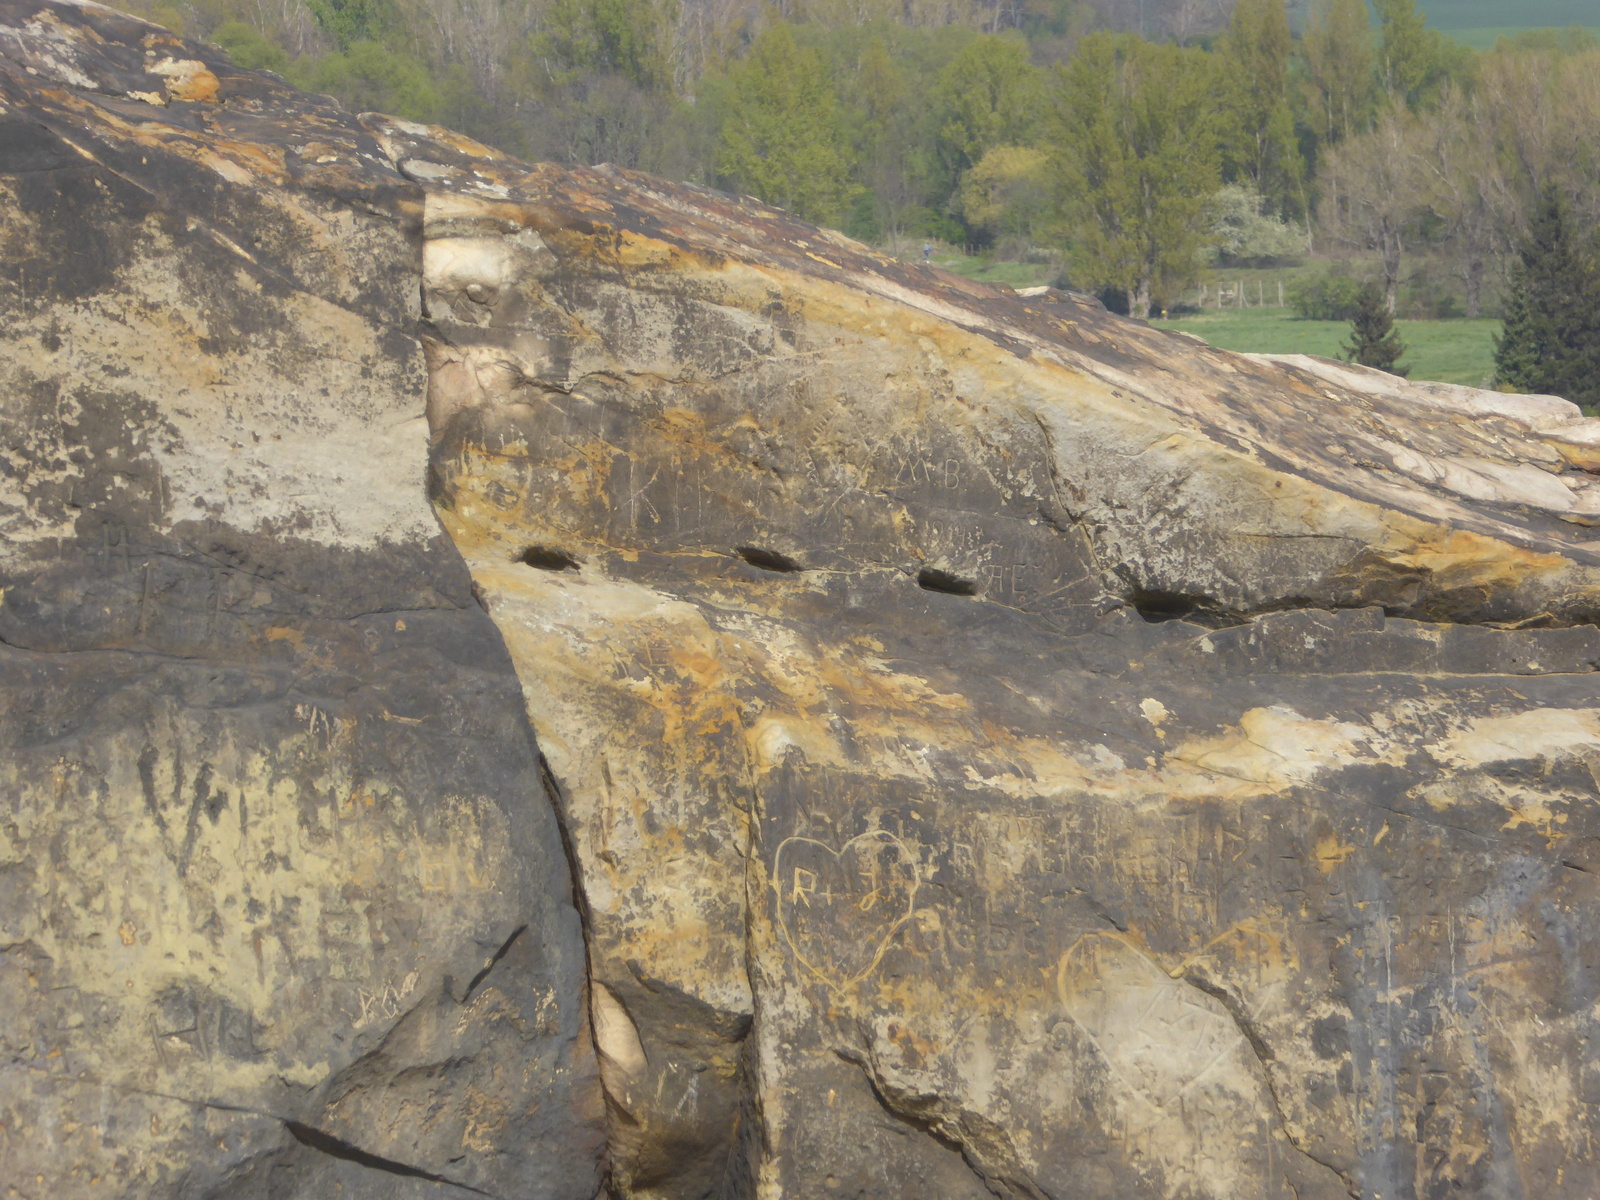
column 1001, row 749
column 283, row 910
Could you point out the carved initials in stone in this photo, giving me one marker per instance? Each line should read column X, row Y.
column 839, row 909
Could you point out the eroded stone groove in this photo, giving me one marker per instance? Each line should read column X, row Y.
column 998, row 748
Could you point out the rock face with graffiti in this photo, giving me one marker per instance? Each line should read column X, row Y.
column 979, row 746
column 283, row 908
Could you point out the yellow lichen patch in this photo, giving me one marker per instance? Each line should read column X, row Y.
column 1458, row 558
column 188, row 79
column 1584, row 457
column 1330, row 852
column 1535, row 812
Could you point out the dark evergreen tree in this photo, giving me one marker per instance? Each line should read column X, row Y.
column 1551, row 342
column 1374, row 341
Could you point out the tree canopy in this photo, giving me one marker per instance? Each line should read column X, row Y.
column 1136, row 163
column 1551, row 342
column 781, row 137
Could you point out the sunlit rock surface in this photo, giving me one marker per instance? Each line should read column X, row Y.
column 1001, row 748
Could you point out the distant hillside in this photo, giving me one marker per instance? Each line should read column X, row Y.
column 1515, row 14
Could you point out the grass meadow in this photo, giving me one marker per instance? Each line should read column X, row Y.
column 1454, row 351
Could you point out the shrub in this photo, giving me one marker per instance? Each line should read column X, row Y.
column 371, row 78
column 1325, row 298
column 250, row 48
column 1005, row 194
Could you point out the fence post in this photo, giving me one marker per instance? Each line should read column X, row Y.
column 1280, row 293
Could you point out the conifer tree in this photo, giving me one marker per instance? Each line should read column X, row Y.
column 1551, row 342
column 1374, row 341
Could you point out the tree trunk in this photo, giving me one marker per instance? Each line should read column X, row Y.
column 1139, row 299
column 1474, row 282
column 1390, row 242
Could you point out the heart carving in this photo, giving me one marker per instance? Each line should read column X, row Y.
column 838, row 909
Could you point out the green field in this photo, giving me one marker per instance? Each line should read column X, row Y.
column 1480, row 23
column 1451, row 15
column 986, row 270
column 1484, row 37
column 1458, row 351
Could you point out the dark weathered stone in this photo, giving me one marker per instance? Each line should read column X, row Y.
column 1001, row 749
column 272, row 808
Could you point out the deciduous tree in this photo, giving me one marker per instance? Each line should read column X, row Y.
column 1005, row 195
column 781, row 136
column 1463, row 185
column 1339, row 61
column 990, row 95
column 1257, row 130
column 1135, row 164
column 1371, row 194
column 1414, row 62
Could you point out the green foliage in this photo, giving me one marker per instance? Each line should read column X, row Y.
column 1136, row 163
column 1374, row 341
column 1415, row 62
column 350, row 21
column 1324, row 298
column 990, row 95
column 887, row 78
column 781, row 137
column 1551, row 342
column 370, row 77
column 627, row 37
column 250, row 48
column 1339, row 68
column 1005, row 194
column 1258, row 141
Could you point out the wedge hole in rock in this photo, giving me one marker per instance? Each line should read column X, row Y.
column 768, row 560
column 931, row 579
column 547, row 558
column 1156, row 606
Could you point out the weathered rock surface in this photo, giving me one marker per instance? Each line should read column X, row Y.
column 1002, row 749
column 283, row 907
column 1091, row 764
